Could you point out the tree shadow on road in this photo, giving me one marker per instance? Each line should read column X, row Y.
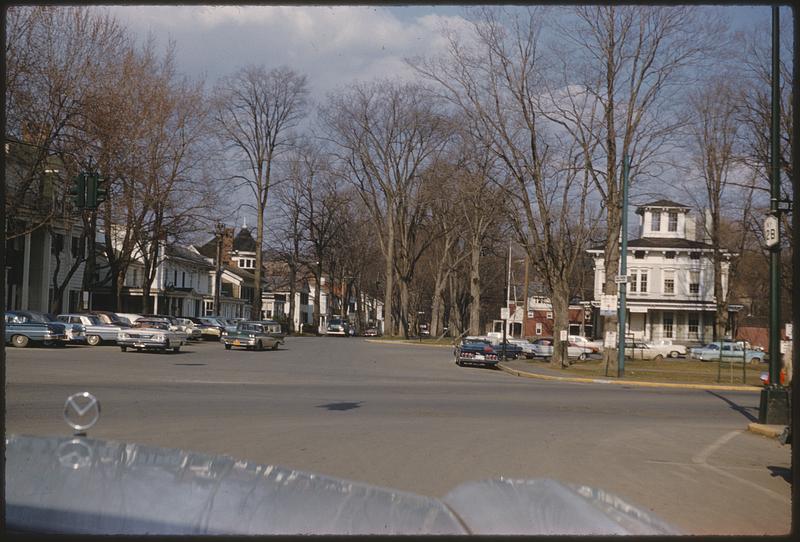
column 744, row 411
column 783, row 472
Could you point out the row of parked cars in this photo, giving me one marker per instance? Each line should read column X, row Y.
column 135, row 331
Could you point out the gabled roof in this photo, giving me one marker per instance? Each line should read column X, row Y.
column 662, row 203
column 209, row 250
column 187, row 254
column 244, row 242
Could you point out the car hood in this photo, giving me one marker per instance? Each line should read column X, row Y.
column 89, row 486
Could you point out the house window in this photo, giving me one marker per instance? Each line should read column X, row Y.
column 667, row 320
column 175, row 277
column 538, row 328
column 77, row 248
column 303, row 298
column 549, row 315
column 208, row 307
column 632, row 282
column 694, row 325
column 673, row 221
column 209, row 284
column 639, row 254
column 57, row 244
column 643, row 282
column 655, row 223
column 669, row 282
column 670, row 254
column 694, row 282
column 135, row 277
column 694, row 255
column 183, row 279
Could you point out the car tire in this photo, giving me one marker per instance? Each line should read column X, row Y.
column 459, row 363
column 658, row 357
column 227, row 347
column 582, row 356
column 674, row 354
column 755, row 361
column 166, row 347
column 176, row 349
column 259, row 346
column 275, row 346
column 19, row 341
column 93, row 340
column 123, row 348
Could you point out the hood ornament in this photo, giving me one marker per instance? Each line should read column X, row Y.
column 81, row 411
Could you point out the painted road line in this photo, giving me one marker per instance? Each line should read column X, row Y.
column 409, row 343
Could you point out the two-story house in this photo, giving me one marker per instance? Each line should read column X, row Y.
column 670, row 293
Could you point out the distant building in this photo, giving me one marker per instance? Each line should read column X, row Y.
column 670, row 293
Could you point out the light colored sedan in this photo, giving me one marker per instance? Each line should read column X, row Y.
column 653, row 351
column 151, row 334
column 543, row 348
column 96, row 331
column 528, row 348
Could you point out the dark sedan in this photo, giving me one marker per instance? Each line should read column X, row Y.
column 476, row 351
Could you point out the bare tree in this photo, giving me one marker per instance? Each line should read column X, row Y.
column 385, row 134
column 493, row 79
column 256, row 111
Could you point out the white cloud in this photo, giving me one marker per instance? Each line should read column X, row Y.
column 333, row 45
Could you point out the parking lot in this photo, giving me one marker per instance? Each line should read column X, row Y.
column 406, row 417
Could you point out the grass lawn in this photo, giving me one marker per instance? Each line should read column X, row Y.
column 670, row 370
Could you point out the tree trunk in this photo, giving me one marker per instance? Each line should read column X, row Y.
column 292, row 300
column 721, row 320
column 404, row 303
column 475, row 290
column 611, row 266
column 317, row 297
column 255, row 310
column 388, row 293
column 560, row 305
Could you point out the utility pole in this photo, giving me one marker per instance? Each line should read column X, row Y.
column 219, row 231
column 525, row 295
column 774, row 405
column 623, row 270
column 508, row 309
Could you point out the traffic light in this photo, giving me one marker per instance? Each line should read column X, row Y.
column 78, row 191
column 101, row 192
column 91, row 191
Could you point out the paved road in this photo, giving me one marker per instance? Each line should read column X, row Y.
column 407, row 417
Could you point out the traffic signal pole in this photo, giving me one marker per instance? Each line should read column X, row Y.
column 774, row 405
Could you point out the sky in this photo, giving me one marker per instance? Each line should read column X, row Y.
column 333, row 45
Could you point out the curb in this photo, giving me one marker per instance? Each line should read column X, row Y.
column 413, row 343
column 772, row 431
column 517, row 372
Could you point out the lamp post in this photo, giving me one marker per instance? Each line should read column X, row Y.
column 219, row 232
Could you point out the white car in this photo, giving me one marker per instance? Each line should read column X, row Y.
column 655, row 351
column 192, row 331
column 151, row 334
column 543, row 348
column 528, row 348
column 132, row 317
column 96, row 331
column 579, row 340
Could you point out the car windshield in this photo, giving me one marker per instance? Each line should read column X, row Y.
column 152, row 324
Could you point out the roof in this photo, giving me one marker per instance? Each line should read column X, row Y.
column 244, row 242
column 657, row 242
column 184, row 253
column 662, row 203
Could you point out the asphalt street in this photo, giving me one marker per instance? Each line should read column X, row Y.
column 406, row 417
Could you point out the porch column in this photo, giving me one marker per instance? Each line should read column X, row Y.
column 44, row 281
column 26, row 271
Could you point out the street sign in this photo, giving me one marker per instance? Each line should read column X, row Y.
column 622, row 279
column 771, row 231
column 530, row 314
column 610, row 339
column 504, row 313
column 563, row 335
column 608, row 305
column 789, row 332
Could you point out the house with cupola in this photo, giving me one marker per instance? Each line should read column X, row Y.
column 670, row 270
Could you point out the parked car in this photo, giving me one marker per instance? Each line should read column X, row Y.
column 211, row 328
column 251, row 336
column 475, row 351
column 129, row 316
column 20, row 331
column 512, row 350
column 94, row 328
column 75, row 332
column 111, row 318
column 728, row 351
column 579, row 340
column 371, row 332
column 337, row 326
column 527, row 347
column 543, row 348
column 151, row 334
column 653, row 351
column 190, row 328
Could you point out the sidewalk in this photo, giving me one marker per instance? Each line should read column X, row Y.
column 524, row 369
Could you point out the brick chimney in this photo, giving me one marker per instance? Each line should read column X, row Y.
column 227, row 246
